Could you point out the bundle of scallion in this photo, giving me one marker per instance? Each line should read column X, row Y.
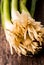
column 23, row 33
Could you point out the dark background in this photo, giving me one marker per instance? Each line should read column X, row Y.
column 39, row 10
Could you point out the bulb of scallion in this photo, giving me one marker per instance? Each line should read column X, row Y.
column 22, row 31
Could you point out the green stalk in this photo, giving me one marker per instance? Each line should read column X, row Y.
column 0, row 7
column 14, row 4
column 33, row 5
column 24, row 2
column 6, row 10
column 2, row 14
column 22, row 5
column 14, row 8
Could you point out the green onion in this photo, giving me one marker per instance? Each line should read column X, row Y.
column 0, row 7
column 14, row 4
column 24, row 2
column 2, row 15
column 22, row 5
column 25, row 23
column 5, row 12
column 14, row 8
column 33, row 5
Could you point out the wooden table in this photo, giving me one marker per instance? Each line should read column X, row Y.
column 7, row 59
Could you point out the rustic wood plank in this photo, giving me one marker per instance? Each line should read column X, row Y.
column 38, row 61
column 34, row 62
column 30, row 60
column 42, row 59
column 24, row 60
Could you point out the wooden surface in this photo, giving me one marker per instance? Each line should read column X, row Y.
column 7, row 59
